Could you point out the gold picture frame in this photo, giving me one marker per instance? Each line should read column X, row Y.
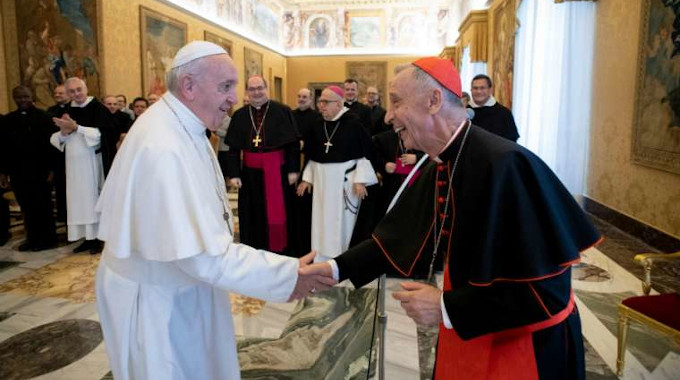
column 161, row 38
column 228, row 45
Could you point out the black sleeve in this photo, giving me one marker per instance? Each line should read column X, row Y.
column 234, row 163
column 362, row 263
column 379, row 160
column 4, row 149
column 292, row 159
column 478, row 310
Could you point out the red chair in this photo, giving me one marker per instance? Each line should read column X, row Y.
column 659, row 312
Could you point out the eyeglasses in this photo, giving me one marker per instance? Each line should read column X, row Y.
column 253, row 89
column 325, row 102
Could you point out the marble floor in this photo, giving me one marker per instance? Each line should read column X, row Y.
column 49, row 328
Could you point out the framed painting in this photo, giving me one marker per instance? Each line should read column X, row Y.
column 368, row 73
column 214, row 38
column 656, row 123
column 365, row 29
column 55, row 43
column 162, row 37
column 503, row 41
column 252, row 63
column 317, row 88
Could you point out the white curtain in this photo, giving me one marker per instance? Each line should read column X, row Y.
column 552, row 86
column 469, row 69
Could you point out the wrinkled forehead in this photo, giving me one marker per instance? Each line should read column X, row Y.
column 304, row 92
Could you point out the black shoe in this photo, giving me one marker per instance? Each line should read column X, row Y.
column 25, row 246
column 96, row 247
column 84, row 246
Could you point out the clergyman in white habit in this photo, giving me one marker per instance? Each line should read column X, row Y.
column 338, row 147
column 170, row 261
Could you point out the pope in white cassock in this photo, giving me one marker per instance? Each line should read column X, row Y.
column 170, row 260
column 338, row 147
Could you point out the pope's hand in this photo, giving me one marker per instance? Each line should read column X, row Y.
column 421, row 302
column 302, row 187
column 310, row 281
column 235, row 182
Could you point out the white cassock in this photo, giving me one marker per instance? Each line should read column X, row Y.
column 335, row 206
column 170, row 261
column 84, row 178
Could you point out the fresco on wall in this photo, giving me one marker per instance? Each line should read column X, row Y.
column 161, row 37
column 503, row 51
column 656, row 137
column 368, row 73
column 57, row 40
column 230, row 10
column 264, row 22
column 319, row 33
column 311, row 26
column 365, row 31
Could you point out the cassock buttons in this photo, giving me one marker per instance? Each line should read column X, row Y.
column 442, row 216
column 441, row 199
column 441, row 183
column 446, row 233
column 440, row 167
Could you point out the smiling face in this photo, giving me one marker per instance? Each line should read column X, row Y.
column 60, row 95
column 77, row 90
column 22, row 97
column 111, row 103
column 351, row 91
column 408, row 111
column 304, row 99
column 214, row 90
column 481, row 91
column 257, row 91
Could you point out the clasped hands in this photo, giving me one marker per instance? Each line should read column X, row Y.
column 65, row 124
column 312, row 278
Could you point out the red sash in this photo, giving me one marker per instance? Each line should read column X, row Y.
column 505, row 355
column 405, row 170
column 270, row 163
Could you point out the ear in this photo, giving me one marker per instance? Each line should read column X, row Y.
column 187, row 87
column 435, row 101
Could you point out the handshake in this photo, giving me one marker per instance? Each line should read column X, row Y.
column 312, row 278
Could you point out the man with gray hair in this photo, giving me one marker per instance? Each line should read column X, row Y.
column 506, row 227
column 88, row 138
column 170, row 259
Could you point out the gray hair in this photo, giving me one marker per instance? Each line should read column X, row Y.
column 77, row 80
column 192, row 68
column 426, row 82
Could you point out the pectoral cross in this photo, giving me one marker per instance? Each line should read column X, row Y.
column 328, row 145
column 257, row 140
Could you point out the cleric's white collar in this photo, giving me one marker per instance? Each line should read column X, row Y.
column 489, row 103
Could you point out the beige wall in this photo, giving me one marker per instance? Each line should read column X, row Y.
column 649, row 195
column 303, row 70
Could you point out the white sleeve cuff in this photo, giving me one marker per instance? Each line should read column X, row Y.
column 334, row 269
column 445, row 315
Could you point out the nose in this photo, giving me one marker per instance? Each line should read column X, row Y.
column 389, row 116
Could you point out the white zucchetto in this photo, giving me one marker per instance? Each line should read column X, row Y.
column 195, row 50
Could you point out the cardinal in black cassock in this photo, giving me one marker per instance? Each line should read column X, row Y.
column 507, row 228
column 265, row 132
